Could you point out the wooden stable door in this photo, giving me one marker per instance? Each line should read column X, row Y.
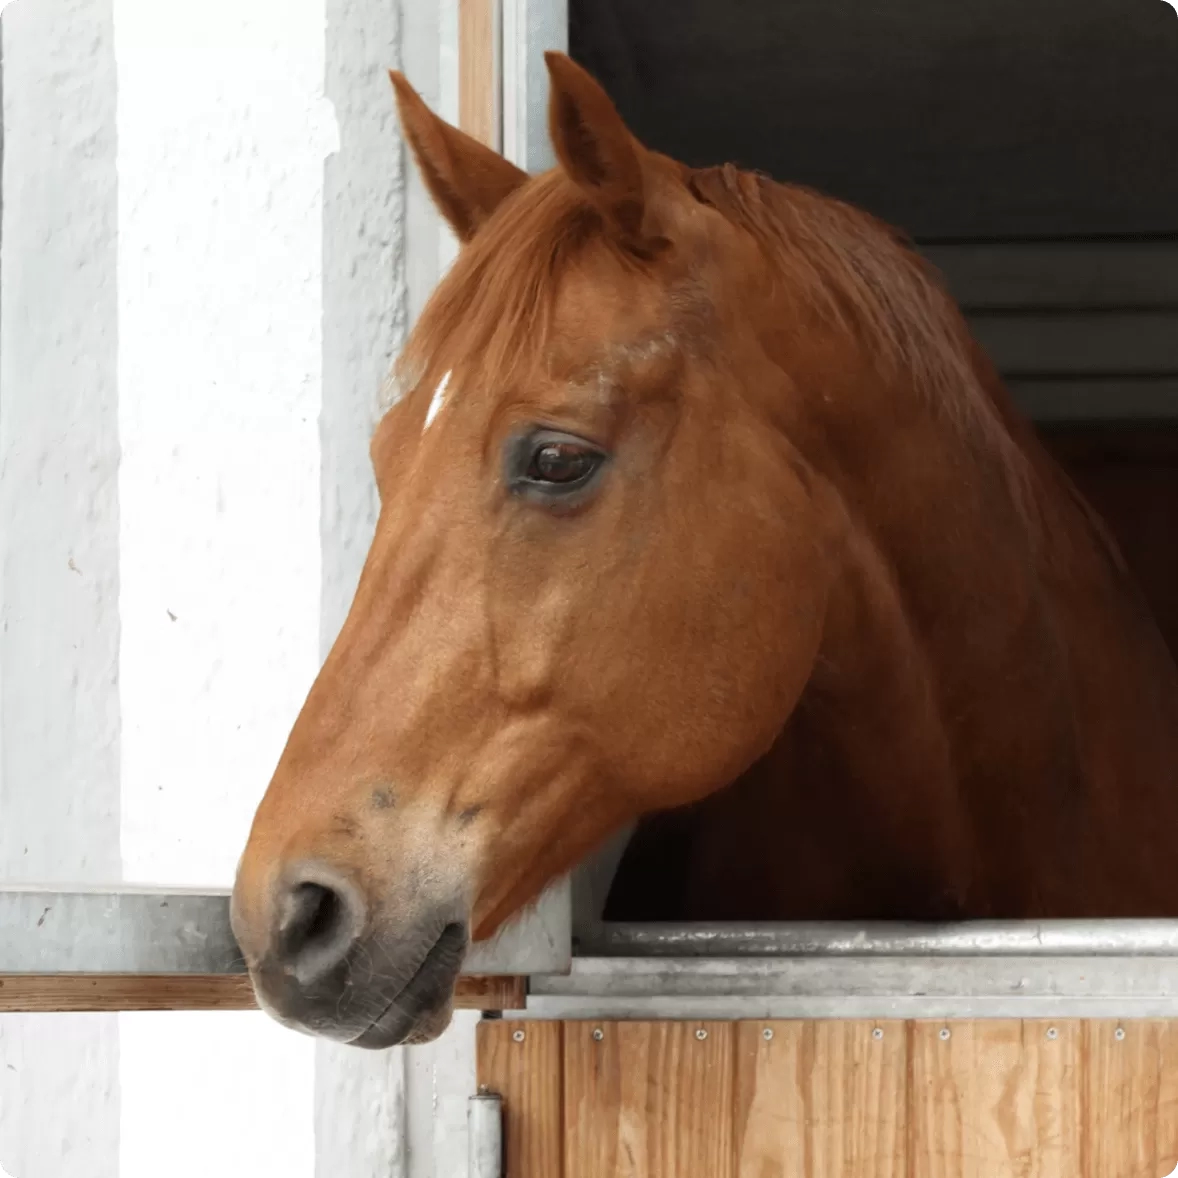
column 835, row 1099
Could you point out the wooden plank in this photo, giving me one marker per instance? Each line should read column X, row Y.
column 522, row 1062
column 47, row 993
column 1117, row 343
column 1131, row 1099
column 1059, row 275
column 648, row 1100
column 98, row 992
column 997, row 1099
column 491, row 993
column 821, row 1099
column 478, row 83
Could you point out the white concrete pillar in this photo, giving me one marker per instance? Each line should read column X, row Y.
column 223, row 130
column 59, row 621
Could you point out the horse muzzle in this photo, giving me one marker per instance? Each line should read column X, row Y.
column 324, row 963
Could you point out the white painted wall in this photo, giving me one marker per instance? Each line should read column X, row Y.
column 223, row 129
column 59, row 628
column 211, row 248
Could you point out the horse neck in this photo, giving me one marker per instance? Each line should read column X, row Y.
column 989, row 683
column 991, row 721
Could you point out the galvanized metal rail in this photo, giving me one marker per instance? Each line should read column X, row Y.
column 1048, row 938
column 142, row 930
column 1083, row 969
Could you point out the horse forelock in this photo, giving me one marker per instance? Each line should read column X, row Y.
column 494, row 307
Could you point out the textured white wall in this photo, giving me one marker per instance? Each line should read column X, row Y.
column 223, row 129
column 208, row 278
column 59, row 624
column 222, row 133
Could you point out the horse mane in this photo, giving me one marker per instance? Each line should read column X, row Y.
column 862, row 274
column 496, row 301
column 495, row 304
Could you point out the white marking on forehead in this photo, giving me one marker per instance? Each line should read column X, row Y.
column 436, row 403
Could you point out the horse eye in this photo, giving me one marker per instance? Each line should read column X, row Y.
column 551, row 468
column 562, row 463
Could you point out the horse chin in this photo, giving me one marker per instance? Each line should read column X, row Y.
column 396, row 1028
column 421, row 1010
column 360, row 1005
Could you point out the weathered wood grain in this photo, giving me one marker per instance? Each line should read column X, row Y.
column 522, row 1062
column 478, row 93
column 821, row 1098
column 1130, row 1112
column 648, row 1100
column 48, row 993
column 996, row 1099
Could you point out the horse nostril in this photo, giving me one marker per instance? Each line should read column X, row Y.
column 318, row 923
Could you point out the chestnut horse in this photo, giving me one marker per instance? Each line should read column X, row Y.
column 700, row 504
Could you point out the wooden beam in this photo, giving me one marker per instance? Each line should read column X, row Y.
column 46, row 993
column 523, row 1063
column 491, row 993
column 478, row 90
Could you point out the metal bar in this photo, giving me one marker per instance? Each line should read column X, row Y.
column 1049, row 938
column 484, row 1118
column 139, row 930
column 781, row 1007
column 860, row 987
column 891, row 977
column 529, row 28
column 89, row 930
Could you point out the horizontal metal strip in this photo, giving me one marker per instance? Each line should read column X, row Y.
column 866, row 977
column 1048, row 938
column 957, row 1007
column 1118, row 343
column 131, row 930
column 1009, row 275
column 1109, row 399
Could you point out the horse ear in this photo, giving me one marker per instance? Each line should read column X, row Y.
column 594, row 146
column 466, row 179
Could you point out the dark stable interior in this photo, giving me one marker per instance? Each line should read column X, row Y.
column 1028, row 147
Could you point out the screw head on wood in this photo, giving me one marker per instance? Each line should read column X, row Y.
column 877, row 1033
column 701, row 1034
column 1052, row 1033
column 1119, row 1033
column 518, row 1036
column 944, row 1033
column 598, row 1034
column 767, row 1034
